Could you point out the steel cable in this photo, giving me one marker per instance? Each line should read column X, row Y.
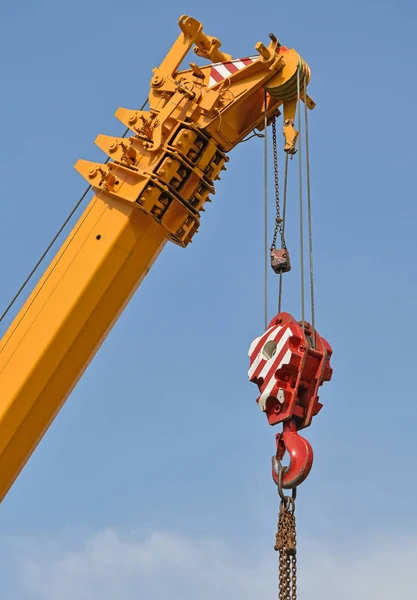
column 265, row 216
column 309, row 217
column 54, row 239
column 300, row 184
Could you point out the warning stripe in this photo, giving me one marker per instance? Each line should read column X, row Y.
column 269, row 369
column 255, row 348
column 263, row 364
column 222, row 70
column 270, row 373
column 262, row 368
column 259, row 364
column 267, row 390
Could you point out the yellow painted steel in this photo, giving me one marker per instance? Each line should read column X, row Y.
column 57, row 332
column 153, row 190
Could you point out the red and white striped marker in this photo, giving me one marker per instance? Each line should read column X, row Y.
column 269, row 353
column 288, row 370
column 223, row 70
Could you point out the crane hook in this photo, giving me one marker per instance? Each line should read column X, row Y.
column 301, row 457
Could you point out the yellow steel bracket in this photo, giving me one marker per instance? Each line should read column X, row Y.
column 191, row 33
column 177, row 150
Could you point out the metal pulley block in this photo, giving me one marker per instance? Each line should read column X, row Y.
column 280, row 260
column 288, row 371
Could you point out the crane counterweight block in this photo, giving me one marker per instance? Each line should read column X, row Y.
column 289, row 363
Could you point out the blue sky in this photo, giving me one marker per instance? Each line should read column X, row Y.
column 160, row 457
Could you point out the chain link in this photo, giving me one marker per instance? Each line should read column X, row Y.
column 279, row 222
column 286, row 545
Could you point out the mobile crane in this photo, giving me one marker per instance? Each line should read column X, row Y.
column 152, row 189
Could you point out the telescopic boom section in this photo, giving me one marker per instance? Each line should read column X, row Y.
column 153, row 189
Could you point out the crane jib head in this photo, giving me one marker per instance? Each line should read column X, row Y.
column 177, row 148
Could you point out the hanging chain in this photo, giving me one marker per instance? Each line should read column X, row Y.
column 286, row 545
column 280, row 259
column 284, row 215
column 279, row 222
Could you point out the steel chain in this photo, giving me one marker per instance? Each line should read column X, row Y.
column 286, row 545
column 279, row 223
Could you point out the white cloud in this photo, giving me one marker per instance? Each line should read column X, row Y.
column 109, row 565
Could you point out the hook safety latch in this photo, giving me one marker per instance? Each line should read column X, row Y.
column 301, row 457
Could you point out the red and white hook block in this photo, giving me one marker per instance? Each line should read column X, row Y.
column 289, row 363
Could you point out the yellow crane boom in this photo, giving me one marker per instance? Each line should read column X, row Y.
column 152, row 190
